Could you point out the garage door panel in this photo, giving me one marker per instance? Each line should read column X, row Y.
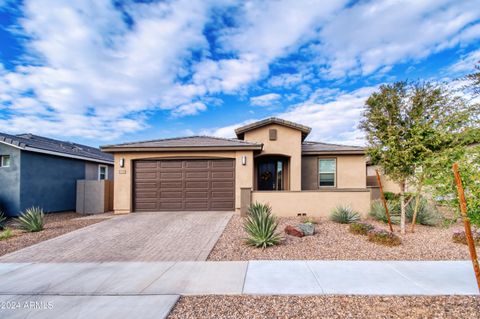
column 222, row 175
column 184, row 185
column 146, row 175
column 196, row 184
column 202, row 195
column 196, row 164
column 150, row 164
column 170, row 164
column 170, row 175
column 170, row 194
column 171, row 184
column 223, row 185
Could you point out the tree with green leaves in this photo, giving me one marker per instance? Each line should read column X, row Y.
column 474, row 79
column 407, row 124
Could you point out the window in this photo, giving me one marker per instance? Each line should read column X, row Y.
column 327, row 169
column 102, row 172
column 5, row 161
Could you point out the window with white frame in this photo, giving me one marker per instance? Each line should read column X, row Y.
column 102, row 172
column 4, row 160
column 327, row 171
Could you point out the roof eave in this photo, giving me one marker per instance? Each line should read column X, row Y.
column 113, row 149
column 349, row 152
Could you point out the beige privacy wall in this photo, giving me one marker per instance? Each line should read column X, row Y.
column 313, row 203
column 123, row 195
column 288, row 143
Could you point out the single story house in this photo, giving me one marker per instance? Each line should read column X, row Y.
column 42, row 172
column 268, row 162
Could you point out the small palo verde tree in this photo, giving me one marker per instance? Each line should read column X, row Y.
column 406, row 125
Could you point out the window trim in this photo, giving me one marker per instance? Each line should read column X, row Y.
column 335, row 173
column 2, row 157
column 106, row 172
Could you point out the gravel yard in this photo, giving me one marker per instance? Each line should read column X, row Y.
column 334, row 241
column 326, row 307
column 56, row 224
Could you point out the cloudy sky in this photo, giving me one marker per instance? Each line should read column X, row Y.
column 100, row 72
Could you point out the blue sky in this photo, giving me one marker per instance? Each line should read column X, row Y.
column 101, row 72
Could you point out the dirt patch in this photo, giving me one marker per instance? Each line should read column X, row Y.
column 56, row 224
column 334, row 241
column 326, row 307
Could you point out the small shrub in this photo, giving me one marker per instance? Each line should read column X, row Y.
column 309, row 220
column 360, row 228
column 459, row 237
column 7, row 233
column 3, row 220
column 383, row 237
column 261, row 226
column 377, row 211
column 427, row 214
column 391, row 196
column 344, row 215
column 32, row 220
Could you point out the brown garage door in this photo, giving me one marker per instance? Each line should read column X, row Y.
column 164, row 185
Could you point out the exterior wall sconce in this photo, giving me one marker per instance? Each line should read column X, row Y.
column 122, row 162
column 244, row 160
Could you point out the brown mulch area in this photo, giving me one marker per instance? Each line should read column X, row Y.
column 56, row 224
column 334, row 241
column 326, row 307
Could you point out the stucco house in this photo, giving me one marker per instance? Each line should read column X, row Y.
column 268, row 162
column 39, row 171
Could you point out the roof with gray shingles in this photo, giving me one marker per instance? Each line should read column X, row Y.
column 310, row 147
column 35, row 143
column 186, row 142
column 272, row 120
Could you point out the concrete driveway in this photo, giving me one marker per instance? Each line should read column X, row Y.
column 160, row 236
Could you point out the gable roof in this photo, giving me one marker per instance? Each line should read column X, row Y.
column 319, row 148
column 184, row 143
column 40, row 144
column 272, row 120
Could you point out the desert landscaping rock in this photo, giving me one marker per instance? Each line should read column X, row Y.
column 292, row 231
column 334, row 241
column 326, row 307
column 307, row 229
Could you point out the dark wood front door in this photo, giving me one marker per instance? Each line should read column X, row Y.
column 176, row 185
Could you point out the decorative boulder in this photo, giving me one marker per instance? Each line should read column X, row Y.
column 308, row 229
column 460, row 237
column 292, row 231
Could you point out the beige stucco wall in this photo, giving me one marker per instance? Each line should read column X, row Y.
column 351, row 171
column 123, row 176
column 387, row 184
column 313, row 203
column 288, row 143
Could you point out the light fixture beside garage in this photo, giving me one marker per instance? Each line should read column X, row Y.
column 244, row 160
column 122, row 162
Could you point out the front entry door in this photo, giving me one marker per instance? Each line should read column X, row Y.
column 266, row 175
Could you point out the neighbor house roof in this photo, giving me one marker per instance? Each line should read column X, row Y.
column 184, row 144
column 319, row 148
column 272, row 120
column 39, row 144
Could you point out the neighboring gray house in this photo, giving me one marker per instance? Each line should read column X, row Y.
column 39, row 171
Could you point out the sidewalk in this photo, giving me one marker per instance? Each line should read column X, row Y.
column 96, row 284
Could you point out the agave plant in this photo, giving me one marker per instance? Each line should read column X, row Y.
column 344, row 215
column 426, row 215
column 261, row 226
column 3, row 220
column 377, row 211
column 32, row 220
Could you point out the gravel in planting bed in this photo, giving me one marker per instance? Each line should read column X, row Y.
column 56, row 224
column 326, row 307
column 334, row 241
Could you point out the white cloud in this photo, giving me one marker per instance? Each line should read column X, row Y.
column 333, row 115
column 466, row 64
column 373, row 34
column 189, row 109
column 265, row 99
